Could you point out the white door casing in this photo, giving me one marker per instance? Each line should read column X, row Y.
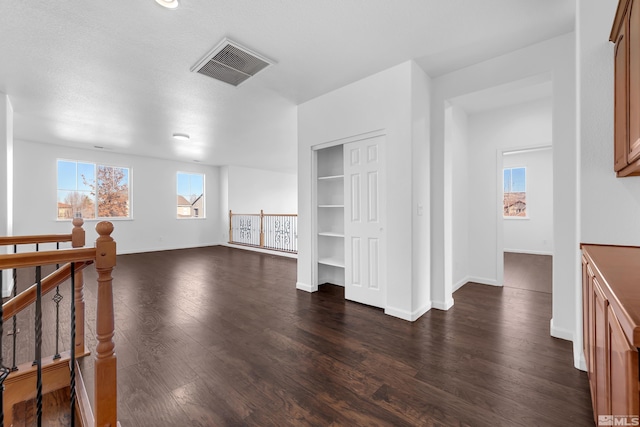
column 364, row 208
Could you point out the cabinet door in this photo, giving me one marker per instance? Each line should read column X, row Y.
column 601, row 351
column 623, row 360
column 621, row 132
column 586, row 292
column 633, row 31
column 592, row 335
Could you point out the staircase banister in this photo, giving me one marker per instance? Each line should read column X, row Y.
column 34, row 259
column 105, row 367
column 26, row 240
column 21, row 301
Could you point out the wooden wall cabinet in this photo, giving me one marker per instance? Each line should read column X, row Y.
column 611, row 328
column 626, row 36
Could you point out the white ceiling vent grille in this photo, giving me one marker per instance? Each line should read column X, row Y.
column 231, row 63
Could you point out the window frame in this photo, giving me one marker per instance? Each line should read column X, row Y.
column 202, row 210
column 96, row 217
column 526, row 191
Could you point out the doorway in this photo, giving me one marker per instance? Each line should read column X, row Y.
column 527, row 218
column 481, row 129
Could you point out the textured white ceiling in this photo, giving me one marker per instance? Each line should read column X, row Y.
column 116, row 73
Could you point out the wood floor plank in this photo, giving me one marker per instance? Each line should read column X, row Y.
column 220, row 336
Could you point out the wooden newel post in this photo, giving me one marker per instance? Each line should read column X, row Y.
column 106, row 413
column 261, row 228
column 230, row 227
column 78, row 241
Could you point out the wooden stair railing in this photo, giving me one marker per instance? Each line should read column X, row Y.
column 77, row 239
column 104, row 257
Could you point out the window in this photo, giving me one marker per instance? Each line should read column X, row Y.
column 515, row 193
column 93, row 191
column 190, row 195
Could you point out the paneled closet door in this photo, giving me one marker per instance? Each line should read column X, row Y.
column 365, row 242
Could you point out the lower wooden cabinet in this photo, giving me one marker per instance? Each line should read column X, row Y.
column 602, row 404
column 611, row 323
column 623, row 370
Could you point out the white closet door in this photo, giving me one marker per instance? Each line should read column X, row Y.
column 364, row 204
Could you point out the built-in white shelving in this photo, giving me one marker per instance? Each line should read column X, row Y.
column 335, row 262
column 321, row 178
column 330, row 225
column 330, row 234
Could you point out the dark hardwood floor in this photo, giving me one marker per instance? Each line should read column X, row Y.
column 528, row 271
column 220, row 337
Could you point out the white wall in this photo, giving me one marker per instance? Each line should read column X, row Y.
column 610, row 205
column 555, row 56
column 516, row 126
column 248, row 190
column 6, row 179
column 456, row 138
column 154, row 225
column 420, row 184
column 384, row 101
column 253, row 189
column 534, row 234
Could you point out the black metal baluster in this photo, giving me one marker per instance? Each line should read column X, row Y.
column 73, row 345
column 38, row 360
column 4, row 372
column 35, row 358
column 57, row 298
column 15, row 331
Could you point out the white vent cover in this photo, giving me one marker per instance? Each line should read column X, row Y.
column 231, row 63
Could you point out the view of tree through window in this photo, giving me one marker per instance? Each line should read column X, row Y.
column 92, row 191
column 515, row 192
column 190, row 195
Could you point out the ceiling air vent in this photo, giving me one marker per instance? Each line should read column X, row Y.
column 231, row 63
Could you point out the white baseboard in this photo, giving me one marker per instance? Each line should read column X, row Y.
column 406, row 315
column 563, row 334
column 164, row 248
column 529, row 252
column 264, row 251
column 305, row 287
column 443, row 305
column 421, row 311
column 203, row 245
column 461, row 283
column 579, row 361
column 483, row 281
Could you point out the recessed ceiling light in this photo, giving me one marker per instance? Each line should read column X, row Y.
column 169, row 4
column 181, row 136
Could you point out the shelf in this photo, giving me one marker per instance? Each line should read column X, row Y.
column 330, row 234
column 331, row 206
column 331, row 261
column 331, row 177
